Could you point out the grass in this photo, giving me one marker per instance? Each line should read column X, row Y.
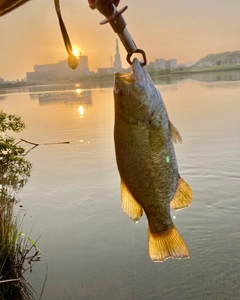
column 18, row 253
column 223, row 67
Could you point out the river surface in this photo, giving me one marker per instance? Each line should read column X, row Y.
column 92, row 250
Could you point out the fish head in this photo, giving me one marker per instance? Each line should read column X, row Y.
column 134, row 93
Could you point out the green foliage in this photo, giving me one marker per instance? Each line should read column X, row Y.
column 163, row 72
column 222, row 67
column 224, row 57
column 14, row 168
column 14, row 84
column 11, row 122
column 17, row 251
column 153, row 72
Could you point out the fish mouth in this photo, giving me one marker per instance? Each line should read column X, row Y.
column 138, row 73
column 122, row 80
column 127, row 77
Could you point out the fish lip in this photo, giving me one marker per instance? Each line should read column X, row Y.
column 138, row 73
column 126, row 77
column 122, row 80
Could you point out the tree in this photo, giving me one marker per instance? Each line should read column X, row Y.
column 14, row 168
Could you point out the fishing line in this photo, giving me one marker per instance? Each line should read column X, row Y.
column 134, row 263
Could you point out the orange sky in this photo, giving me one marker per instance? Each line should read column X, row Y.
column 182, row 29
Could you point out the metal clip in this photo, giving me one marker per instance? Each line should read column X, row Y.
column 118, row 24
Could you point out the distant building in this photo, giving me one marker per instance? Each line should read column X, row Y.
column 59, row 71
column 171, row 64
column 157, row 64
column 117, row 65
column 162, row 64
column 105, row 71
column 1, row 80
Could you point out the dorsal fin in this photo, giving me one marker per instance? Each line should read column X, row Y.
column 175, row 135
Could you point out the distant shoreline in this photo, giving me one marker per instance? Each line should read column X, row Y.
column 215, row 68
column 192, row 71
column 22, row 84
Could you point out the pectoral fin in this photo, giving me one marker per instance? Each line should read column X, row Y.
column 183, row 196
column 175, row 135
column 129, row 205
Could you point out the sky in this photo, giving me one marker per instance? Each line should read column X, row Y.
column 183, row 29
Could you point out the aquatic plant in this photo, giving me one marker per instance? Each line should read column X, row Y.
column 18, row 252
column 17, row 256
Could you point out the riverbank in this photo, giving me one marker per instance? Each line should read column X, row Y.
column 103, row 80
column 214, row 68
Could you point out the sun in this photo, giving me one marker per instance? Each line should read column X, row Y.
column 75, row 52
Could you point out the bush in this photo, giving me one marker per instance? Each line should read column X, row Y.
column 17, row 251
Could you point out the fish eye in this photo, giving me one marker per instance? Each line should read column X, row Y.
column 120, row 93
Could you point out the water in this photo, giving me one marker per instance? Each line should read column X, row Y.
column 92, row 250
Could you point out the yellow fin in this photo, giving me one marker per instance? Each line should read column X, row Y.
column 167, row 244
column 175, row 135
column 129, row 205
column 183, row 196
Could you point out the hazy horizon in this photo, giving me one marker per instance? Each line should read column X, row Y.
column 182, row 29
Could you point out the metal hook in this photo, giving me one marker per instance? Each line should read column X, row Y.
column 137, row 51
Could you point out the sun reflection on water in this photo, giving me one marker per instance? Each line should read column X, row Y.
column 81, row 111
column 79, row 92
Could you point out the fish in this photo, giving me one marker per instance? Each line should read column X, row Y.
column 146, row 161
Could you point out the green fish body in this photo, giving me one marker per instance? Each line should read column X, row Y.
column 147, row 163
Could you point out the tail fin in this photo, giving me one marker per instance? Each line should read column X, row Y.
column 166, row 244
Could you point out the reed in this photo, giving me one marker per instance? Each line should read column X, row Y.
column 18, row 253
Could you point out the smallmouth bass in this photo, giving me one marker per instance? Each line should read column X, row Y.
column 146, row 161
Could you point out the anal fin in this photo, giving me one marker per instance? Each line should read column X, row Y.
column 129, row 205
column 183, row 196
column 166, row 244
column 175, row 135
